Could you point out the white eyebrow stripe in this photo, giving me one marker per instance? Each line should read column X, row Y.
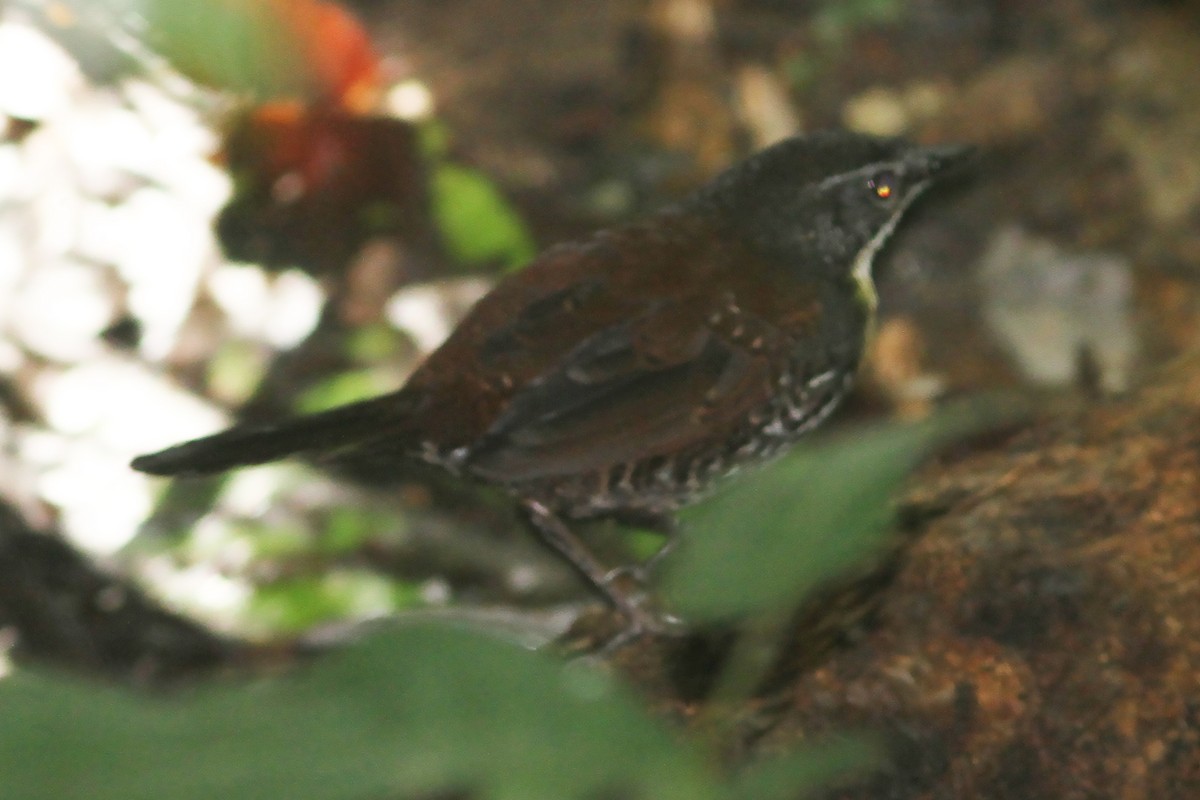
column 861, row 172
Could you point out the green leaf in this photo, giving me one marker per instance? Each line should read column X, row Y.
column 419, row 709
column 765, row 542
column 298, row 604
column 375, row 342
column 835, row 21
column 798, row 774
column 479, row 225
column 235, row 370
column 346, row 529
column 340, row 389
column 287, row 538
column 238, row 46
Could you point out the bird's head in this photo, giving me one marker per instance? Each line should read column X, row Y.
column 828, row 201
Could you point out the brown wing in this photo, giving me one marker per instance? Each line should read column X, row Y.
column 622, row 344
column 662, row 382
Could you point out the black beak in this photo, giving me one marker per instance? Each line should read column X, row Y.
column 937, row 160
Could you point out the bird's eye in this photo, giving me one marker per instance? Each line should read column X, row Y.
column 884, row 187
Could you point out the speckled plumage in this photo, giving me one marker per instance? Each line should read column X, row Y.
column 628, row 372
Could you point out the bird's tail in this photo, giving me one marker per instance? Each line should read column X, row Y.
column 340, row 428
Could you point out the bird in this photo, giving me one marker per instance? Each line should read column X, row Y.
column 627, row 374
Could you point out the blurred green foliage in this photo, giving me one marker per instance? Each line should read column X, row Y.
column 419, row 709
column 235, row 369
column 375, row 342
column 479, row 225
column 297, row 604
column 767, row 542
column 340, row 389
column 831, row 25
column 374, row 349
column 835, row 20
column 347, row 529
column 429, row 707
column 237, row 46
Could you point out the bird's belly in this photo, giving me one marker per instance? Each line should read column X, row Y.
column 661, row 484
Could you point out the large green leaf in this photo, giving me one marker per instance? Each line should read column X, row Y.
column 768, row 540
column 418, row 709
column 793, row 775
column 232, row 45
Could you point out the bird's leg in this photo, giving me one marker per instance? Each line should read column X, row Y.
column 556, row 535
column 666, row 525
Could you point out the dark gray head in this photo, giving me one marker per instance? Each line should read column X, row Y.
column 827, row 200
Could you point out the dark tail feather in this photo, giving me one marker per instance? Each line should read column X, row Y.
column 243, row 445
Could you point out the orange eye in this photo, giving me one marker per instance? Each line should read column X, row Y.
column 883, row 186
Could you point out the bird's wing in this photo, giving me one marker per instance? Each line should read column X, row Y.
column 661, row 382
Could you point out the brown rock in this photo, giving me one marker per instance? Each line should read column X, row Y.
column 1043, row 638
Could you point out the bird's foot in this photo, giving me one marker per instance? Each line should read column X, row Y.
column 630, row 577
column 623, row 587
column 641, row 624
column 626, row 590
column 626, row 586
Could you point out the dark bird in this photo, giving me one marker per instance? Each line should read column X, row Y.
column 625, row 374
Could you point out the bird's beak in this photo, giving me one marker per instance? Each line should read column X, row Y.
column 937, row 160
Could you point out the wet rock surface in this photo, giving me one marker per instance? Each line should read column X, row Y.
column 1043, row 636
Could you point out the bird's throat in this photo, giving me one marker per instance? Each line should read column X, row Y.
column 864, row 290
column 864, row 283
